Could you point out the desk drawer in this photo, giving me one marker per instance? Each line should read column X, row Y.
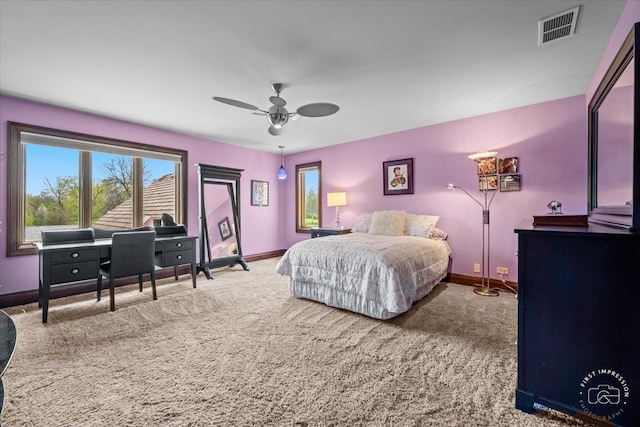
column 73, row 271
column 172, row 258
column 71, row 255
column 178, row 245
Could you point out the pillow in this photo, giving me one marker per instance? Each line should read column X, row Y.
column 421, row 225
column 438, row 234
column 362, row 224
column 388, row 223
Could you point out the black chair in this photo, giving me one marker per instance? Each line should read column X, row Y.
column 132, row 253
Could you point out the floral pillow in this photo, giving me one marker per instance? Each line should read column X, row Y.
column 362, row 224
column 388, row 223
column 421, row 225
column 438, row 234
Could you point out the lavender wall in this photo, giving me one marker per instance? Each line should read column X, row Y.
column 550, row 140
column 261, row 228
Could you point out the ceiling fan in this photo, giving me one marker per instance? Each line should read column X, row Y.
column 277, row 114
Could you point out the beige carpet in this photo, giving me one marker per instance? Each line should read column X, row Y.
column 239, row 350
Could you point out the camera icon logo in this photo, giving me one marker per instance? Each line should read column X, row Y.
column 604, row 394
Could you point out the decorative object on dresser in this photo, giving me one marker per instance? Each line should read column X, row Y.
column 556, row 217
column 397, row 177
column 578, row 322
column 219, row 204
column 322, row 232
column 486, row 164
column 259, row 193
column 337, row 200
column 282, row 173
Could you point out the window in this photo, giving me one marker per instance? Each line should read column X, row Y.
column 64, row 180
column 308, row 197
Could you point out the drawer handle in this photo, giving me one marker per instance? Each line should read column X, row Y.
column 179, row 244
column 179, row 257
column 75, row 270
column 75, row 254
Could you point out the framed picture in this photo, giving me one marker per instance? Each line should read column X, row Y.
column 259, row 193
column 508, row 166
column 397, row 177
column 509, row 182
column 225, row 228
column 487, row 166
column 488, row 182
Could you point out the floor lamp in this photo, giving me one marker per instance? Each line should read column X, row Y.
column 484, row 288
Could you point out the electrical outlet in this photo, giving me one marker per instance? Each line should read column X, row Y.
column 502, row 270
column 476, row 268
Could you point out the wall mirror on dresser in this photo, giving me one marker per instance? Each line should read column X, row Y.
column 219, row 202
column 614, row 142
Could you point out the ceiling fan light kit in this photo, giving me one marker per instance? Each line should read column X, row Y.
column 277, row 115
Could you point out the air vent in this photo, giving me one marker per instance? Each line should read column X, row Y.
column 558, row 26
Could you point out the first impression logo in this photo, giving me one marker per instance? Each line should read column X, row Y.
column 604, row 394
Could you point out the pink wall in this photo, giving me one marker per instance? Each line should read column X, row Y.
column 261, row 228
column 550, row 140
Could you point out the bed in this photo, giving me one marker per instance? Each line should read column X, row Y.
column 376, row 274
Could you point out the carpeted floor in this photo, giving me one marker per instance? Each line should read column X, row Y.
column 239, row 350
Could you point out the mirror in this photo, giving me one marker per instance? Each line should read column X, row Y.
column 220, row 243
column 612, row 143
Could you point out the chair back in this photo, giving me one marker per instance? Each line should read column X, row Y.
column 56, row 237
column 132, row 253
column 101, row 233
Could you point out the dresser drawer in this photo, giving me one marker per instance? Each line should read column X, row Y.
column 178, row 245
column 74, row 271
column 73, row 255
column 172, row 258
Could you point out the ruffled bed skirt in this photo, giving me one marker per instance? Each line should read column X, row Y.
column 353, row 302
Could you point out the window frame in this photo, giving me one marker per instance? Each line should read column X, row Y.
column 16, row 180
column 300, row 196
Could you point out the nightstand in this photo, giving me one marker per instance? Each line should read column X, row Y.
column 323, row 232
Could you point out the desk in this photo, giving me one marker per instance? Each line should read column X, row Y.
column 72, row 262
column 7, row 347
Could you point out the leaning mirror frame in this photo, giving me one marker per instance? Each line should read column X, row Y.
column 625, row 215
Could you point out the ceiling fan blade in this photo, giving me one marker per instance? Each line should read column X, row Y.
column 275, row 131
column 318, row 109
column 235, row 103
column 277, row 101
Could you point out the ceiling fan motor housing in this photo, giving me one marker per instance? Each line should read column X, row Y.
column 278, row 116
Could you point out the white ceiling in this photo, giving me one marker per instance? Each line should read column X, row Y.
column 389, row 65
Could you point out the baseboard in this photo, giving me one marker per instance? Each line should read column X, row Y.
column 264, row 255
column 462, row 279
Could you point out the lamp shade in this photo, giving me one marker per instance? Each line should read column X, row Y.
column 282, row 174
column 336, row 199
column 483, row 155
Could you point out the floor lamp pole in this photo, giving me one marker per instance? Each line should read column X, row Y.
column 484, row 288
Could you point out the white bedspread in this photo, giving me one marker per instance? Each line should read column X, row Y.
column 379, row 276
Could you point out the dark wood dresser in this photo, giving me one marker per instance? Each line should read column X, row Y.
column 579, row 321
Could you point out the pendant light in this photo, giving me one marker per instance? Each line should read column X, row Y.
column 282, row 174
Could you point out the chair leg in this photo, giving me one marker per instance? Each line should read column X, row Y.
column 153, row 285
column 140, row 282
column 112, row 295
column 99, row 294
